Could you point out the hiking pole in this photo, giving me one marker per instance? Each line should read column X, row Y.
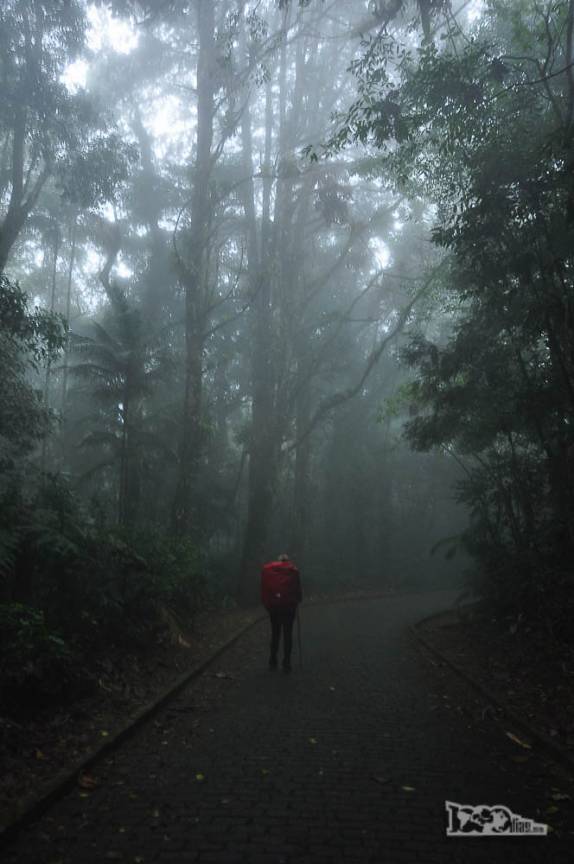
column 299, row 639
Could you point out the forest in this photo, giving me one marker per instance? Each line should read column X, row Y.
column 280, row 276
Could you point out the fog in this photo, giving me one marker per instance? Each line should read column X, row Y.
column 286, row 428
column 265, row 316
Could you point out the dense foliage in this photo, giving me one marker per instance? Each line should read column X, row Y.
column 71, row 588
column 233, row 324
column 483, row 124
column 26, row 339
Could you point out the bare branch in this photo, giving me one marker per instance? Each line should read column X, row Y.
column 332, row 402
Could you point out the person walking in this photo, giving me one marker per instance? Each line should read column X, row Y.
column 281, row 594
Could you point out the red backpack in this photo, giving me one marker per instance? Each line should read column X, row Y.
column 280, row 585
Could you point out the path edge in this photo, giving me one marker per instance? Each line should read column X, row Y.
column 35, row 805
column 544, row 741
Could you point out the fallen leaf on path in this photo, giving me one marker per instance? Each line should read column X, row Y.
column 200, row 778
column 518, row 740
column 87, row 781
column 223, row 675
column 408, row 788
column 39, row 755
column 312, row 740
column 264, row 771
column 104, row 733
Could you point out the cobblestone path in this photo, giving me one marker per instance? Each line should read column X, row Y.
column 349, row 759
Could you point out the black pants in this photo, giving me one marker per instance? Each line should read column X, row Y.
column 282, row 620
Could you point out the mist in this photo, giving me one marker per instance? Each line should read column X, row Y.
column 280, row 277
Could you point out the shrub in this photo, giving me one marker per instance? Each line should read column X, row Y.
column 37, row 666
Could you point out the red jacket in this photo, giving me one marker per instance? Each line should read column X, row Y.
column 280, row 585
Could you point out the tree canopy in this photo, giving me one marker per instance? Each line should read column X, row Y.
column 301, row 275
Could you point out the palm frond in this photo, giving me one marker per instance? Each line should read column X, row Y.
column 104, row 337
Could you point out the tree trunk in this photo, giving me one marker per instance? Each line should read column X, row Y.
column 261, row 468
column 9, row 231
column 48, row 374
column 153, row 294
column 68, row 313
column 124, row 455
column 273, row 342
column 21, row 201
column 300, row 530
column 130, row 462
column 193, row 275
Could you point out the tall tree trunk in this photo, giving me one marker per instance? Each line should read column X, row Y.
column 48, row 375
column 130, row 461
column 293, row 297
column 300, row 529
column 124, row 460
column 273, row 341
column 262, row 438
column 193, row 275
column 68, row 314
column 157, row 261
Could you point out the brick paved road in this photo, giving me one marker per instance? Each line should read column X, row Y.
column 289, row 762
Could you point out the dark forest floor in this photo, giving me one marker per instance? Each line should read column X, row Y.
column 521, row 666
column 35, row 750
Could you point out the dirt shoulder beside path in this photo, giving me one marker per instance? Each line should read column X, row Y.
column 522, row 669
column 37, row 754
